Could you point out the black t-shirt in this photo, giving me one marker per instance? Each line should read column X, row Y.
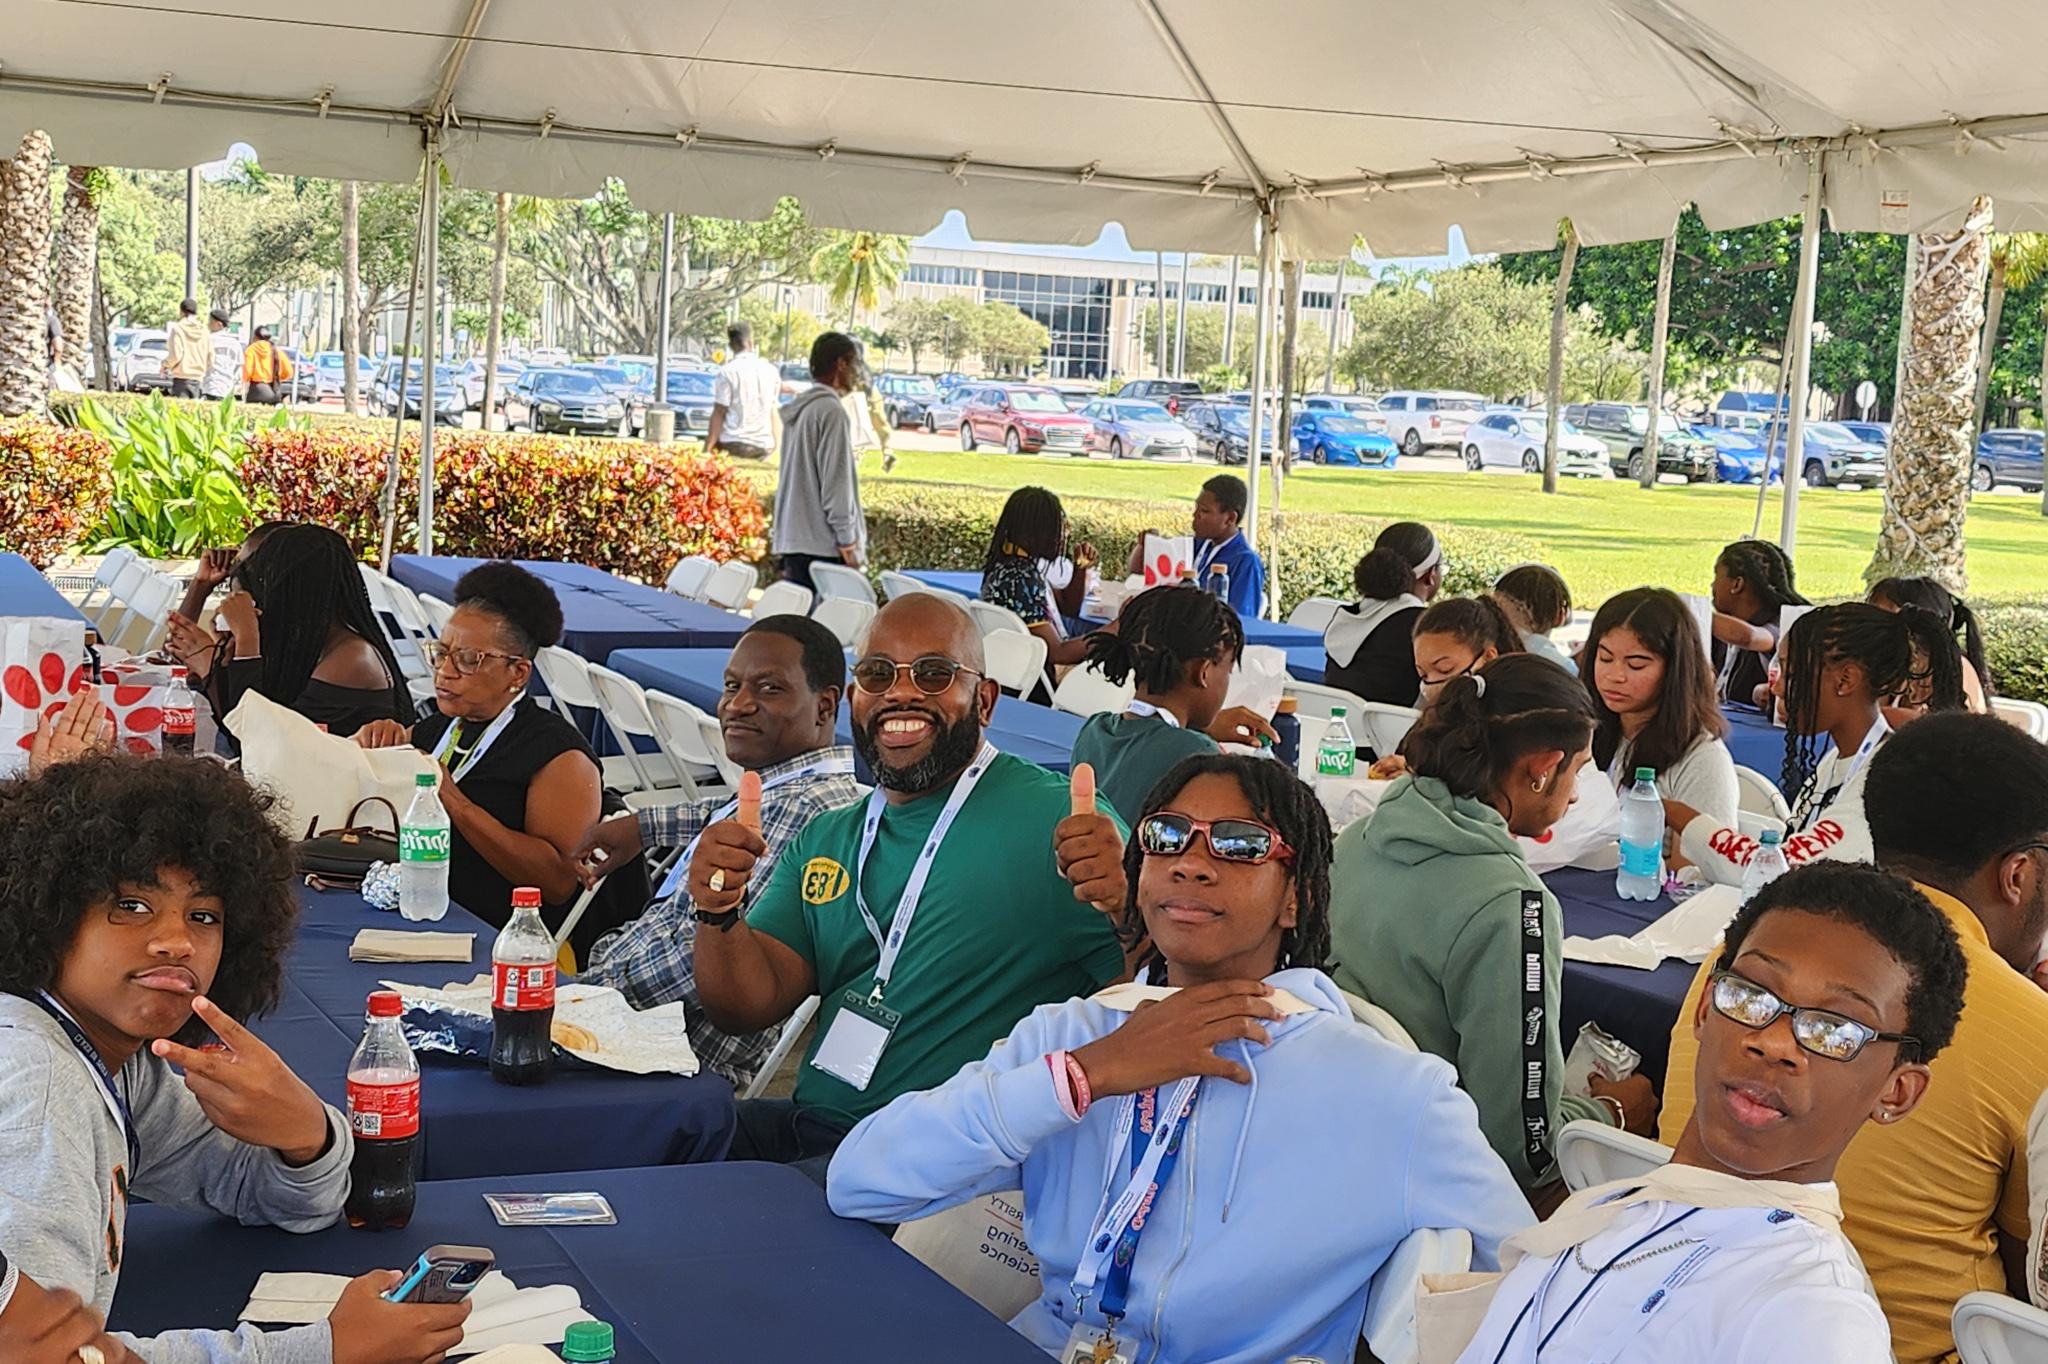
column 1383, row 669
column 344, row 710
column 1751, row 669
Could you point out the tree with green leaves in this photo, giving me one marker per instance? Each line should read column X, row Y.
column 1008, row 340
column 857, row 268
column 780, row 333
column 921, row 324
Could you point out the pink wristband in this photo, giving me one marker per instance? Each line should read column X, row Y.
column 1079, row 1078
column 1062, row 1084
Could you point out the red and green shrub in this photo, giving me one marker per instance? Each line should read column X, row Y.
column 55, row 484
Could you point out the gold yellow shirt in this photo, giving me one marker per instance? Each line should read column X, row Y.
column 1924, row 1200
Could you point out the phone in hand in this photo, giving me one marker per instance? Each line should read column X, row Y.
column 443, row 1274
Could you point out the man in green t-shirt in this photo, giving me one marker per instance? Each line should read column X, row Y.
column 993, row 929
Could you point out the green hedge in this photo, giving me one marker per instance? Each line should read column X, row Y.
column 2016, row 647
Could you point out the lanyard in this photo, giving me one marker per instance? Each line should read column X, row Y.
column 1879, row 732
column 1534, row 1307
column 117, row 1103
column 1206, row 555
column 1154, row 1136
column 489, row 737
column 906, row 904
column 823, row 767
column 1144, row 708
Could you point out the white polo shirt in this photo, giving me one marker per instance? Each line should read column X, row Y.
column 748, row 388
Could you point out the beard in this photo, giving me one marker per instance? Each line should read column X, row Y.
column 953, row 748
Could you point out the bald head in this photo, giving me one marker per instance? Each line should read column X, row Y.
column 915, row 740
column 920, row 623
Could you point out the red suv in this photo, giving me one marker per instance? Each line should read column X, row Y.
column 1023, row 419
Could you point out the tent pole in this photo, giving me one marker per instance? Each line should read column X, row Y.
column 1229, row 357
column 430, row 222
column 1336, row 312
column 664, row 299
column 192, row 232
column 388, row 501
column 1159, row 312
column 1180, row 323
column 1802, row 355
column 1267, row 243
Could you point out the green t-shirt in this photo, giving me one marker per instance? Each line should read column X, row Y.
column 997, row 933
column 1130, row 753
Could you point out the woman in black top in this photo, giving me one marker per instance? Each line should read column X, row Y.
column 519, row 782
column 1032, row 530
column 1369, row 643
column 1752, row 586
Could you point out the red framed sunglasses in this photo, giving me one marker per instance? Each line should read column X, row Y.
column 1167, row 834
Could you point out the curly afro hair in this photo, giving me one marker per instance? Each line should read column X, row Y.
column 72, row 837
column 528, row 608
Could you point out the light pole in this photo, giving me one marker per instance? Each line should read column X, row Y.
column 788, row 303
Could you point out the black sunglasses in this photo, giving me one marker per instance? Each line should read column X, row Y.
column 1819, row 1031
column 1167, row 834
column 931, row 674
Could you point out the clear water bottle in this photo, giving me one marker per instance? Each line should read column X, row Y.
column 178, row 717
column 1766, row 864
column 1219, row 581
column 1337, row 756
column 424, row 842
column 1642, row 839
column 384, row 1114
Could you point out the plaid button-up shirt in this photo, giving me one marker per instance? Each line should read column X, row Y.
column 652, row 960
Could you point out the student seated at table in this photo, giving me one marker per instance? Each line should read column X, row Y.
column 1178, row 645
column 1925, row 594
column 1300, row 1147
column 1937, row 1205
column 1537, row 599
column 1217, row 526
column 1458, row 636
column 1833, row 990
column 1370, row 643
column 776, row 714
column 1427, row 905
column 1752, row 585
column 301, row 632
column 1842, row 664
column 38, row 1326
column 1654, row 704
column 991, row 927
column 146, row 905
column 189, row 633
column 519, row 782
column 1031, row 536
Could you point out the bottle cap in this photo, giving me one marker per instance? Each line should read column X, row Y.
column 588, row 1341
column 1646, row 774
column 1337, row 712
column 1771, row 837
column 177, row 674
column 423, row 779
column 385, row 1004
column 525, row 897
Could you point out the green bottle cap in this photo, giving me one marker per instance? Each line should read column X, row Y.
column 589, row 1342
column 1646, row 774
column 423, row 779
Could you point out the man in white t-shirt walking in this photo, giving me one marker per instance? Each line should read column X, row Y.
column 743, row 403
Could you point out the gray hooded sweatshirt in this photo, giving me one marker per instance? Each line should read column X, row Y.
column 817, row 492
column 64, row 1181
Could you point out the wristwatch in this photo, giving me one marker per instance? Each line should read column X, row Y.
column 722, row 922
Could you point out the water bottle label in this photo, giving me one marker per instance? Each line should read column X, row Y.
column 521, row 988
column 1335, row 762
column 424, row 845
column 1642, row 859
column 384, row 1112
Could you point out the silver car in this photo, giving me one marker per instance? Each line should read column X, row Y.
column 1136, row 428
column 944, row 415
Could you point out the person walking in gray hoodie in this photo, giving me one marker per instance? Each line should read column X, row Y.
column 146, row 905
column 818, row 516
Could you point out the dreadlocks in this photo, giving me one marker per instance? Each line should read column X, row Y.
column 1278, row 798
column 1765, row 567
column 1032, row 524
column 1161, row 632
column 305, row 580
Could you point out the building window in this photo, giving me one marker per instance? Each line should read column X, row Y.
column 955, row 275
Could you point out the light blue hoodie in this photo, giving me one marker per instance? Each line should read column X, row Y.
column 1289, row 1195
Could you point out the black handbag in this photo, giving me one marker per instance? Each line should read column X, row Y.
column 341, row 857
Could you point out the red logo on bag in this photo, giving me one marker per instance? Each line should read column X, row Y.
column 521, row 988
column 43, row 689
column 384, row 1112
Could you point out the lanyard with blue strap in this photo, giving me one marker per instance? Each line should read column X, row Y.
column 681, row 869
column 1153, row 1132
column 117, row 1103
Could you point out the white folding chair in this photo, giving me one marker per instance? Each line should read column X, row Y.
column 896, row 584
column 843, row 616
column 396, row 618
column 1590, row 1153
column 730, row 584
column 2029, row 716
column 624, row 703
column 1389, row 1326
column 576, row 915
column 837, row 580
column 1379, row 1020
column 784, row 1044
column 1085, row 691
column 959, row 599
column 1374, row 724
column 121, row 592
column 1759, row 803
column 782, row 598
column 680, row 728
column 689, row 575
column 149, row 607
column 438, row 612
column 567, row 678
column 111, row 564
column 989, row 618
column 1991, row 1328
column 712, row 739
column 1015, row 660
column 1314, row 613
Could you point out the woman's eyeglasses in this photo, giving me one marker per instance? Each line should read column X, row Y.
column 931, row 674
column 466, row 661
column 1167, row 834
column 1817, row 1030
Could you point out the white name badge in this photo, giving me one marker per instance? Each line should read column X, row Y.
column 854, row 1043
column 1088, row 1344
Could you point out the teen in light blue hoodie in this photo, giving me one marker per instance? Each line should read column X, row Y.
column 1311, row 1148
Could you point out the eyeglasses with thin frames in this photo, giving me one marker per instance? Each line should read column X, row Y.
column 466, row 661
column 931, row 674
column 1824, row 1033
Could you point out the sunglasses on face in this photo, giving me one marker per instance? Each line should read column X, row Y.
column 466, row 661
column 1231, row 840
column 1825, row 1034
column 931, row 674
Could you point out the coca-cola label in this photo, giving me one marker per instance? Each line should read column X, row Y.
column 424, row 845
column 384, row 1112
column 177, row 719
column 522, row 987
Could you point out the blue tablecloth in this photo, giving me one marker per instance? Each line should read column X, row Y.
column 707, row 1263
column 600, row 612
column 24, row 591
column 1754, row 741
column 1035, row 733
column 579, row 1120
column 1639, row 1007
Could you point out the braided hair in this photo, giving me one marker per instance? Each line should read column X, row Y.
column 1483, row 723
column 1474, row 622
column 1929, row 595
column 305, row 580
column 1278, row 798
column 1765, row 567
column 1162, row 631
column 1032, row 523
column 1539, row 590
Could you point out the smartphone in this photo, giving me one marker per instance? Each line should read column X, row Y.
column 443, row 1274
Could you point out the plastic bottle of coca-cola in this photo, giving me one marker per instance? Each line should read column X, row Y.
column 178, row 718
column 523, row 995
column 384, row 1113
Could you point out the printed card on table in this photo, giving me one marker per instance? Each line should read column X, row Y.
column 1168, row 558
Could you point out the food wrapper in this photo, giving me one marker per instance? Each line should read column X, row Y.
column 593, row 1024
column 1597, row 1052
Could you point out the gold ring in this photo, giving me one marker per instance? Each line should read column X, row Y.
column 717, row 881
column 90, row 1354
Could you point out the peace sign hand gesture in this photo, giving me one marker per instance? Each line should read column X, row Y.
column 247, row 1091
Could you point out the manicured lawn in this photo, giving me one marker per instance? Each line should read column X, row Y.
column 1604, row 536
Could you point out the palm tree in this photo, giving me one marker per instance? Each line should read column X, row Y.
column 2024, row 253
column 24, row 277
column 77, row 255
column 858, row 267
column 352, row 337
column 501, row 250
column 1927, row 492
column 1552, row 394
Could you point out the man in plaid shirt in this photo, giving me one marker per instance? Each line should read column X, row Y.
column 781, row 702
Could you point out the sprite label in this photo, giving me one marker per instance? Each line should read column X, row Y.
column 1334, row 760
column 424, row 845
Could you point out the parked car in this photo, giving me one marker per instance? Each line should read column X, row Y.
column 1328, row 436
column 1350, row 404
column 1171, row 394
column 1739, row 456
column 689, row 392
column 905, row 397
column 1137, row 428
column 473, row 381
column 1876, row 433
column 1734, row 404
column 547, row 357
column 1623, row 428
column 142, row 364
column 327, row 373
column 1022, row 418
column 2008, row 455
column 449, row 404
column 796, row 377
column 1514, row 440
column 943, row 413
column 304, row 385
column 1223, row 432
column 1419, row 420
column 565, row 400
column 618, row 382
column 1832, row 454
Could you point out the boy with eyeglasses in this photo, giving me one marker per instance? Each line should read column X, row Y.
column 1834, row 988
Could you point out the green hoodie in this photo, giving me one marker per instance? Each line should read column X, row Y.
column 1425, row 917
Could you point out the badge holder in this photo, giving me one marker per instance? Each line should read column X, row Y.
column 855, row 1041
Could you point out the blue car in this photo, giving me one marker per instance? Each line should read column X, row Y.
column 2007, row 455
column 1337, row 438
column 1739, row 456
